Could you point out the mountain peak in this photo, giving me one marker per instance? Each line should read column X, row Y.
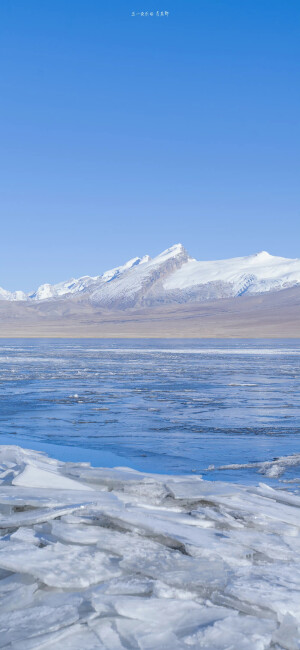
column 174, row 251
column 263, row 254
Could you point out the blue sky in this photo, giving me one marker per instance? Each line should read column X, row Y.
column 123, row 135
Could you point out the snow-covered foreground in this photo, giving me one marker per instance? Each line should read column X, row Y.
column 112, row 559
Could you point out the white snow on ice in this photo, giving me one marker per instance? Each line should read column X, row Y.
column 116, row 559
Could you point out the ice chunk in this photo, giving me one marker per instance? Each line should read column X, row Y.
column 17, row 625
column 59, row 565
column 288, row 634
column 143, row 561
column 75, row 637
column 37, row 477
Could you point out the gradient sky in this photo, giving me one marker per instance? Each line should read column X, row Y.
column 122, row 135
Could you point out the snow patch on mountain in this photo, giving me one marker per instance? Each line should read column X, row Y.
column 115, row 273
column 255, row 274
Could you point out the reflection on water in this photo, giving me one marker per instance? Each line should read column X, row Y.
column 168, row 406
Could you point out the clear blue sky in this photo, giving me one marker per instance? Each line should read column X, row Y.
column 123, row 135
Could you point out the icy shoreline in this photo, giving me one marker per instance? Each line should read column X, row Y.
column 113, row 558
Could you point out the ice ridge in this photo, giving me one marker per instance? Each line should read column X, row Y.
column 115, row 559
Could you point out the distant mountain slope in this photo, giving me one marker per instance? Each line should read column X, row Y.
column 86, row 283
column 252, row 274
column 267, row 315
column 171, row 277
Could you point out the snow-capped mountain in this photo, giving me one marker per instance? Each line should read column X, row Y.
column 256, row 273
column 73, row 286
column 12, row 296
column 172, row 277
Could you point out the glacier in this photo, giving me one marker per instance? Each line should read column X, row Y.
column 172, row 277
column 117, row 559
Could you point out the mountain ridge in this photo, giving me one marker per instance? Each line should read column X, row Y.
column 171, row 277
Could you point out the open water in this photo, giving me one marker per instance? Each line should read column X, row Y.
column 167, row 406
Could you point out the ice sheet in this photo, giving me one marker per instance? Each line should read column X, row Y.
column 113, row 559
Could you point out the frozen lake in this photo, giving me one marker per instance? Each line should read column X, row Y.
column 165, row 406
column 94, row 557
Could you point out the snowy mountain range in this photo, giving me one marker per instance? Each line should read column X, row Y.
column 171, row 277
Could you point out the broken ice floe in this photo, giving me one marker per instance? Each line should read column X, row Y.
column 271, row 468
column 113, row 559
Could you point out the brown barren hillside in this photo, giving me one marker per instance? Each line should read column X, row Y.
column 274, row 315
